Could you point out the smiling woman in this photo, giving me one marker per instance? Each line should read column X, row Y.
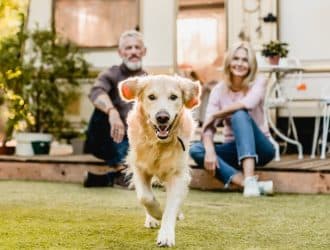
column 237, row 104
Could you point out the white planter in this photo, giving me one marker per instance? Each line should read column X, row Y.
column 23, row 142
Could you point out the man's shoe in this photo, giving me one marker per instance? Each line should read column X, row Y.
column 266, row 187
column 122, row 179
column 251, row 187
column 98, row 180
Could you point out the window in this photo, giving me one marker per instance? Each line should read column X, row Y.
column 201, row 34
column 95, row 23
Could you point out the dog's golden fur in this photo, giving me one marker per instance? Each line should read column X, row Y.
column 154, row 157
column 160, row 127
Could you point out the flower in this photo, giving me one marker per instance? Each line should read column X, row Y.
column 13, row 74
column 18, row 114
column 274, row 48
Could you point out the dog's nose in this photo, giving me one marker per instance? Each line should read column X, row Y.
column 162, row 117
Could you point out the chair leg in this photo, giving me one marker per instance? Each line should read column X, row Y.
column 326, row 117
column 294, row 132
column 316, row 135
column 277, row 149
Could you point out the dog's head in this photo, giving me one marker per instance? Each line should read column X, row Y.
column 162, row 98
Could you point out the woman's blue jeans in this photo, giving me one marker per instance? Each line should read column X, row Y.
column 249, row 141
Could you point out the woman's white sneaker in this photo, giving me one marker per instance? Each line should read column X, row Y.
column 251, row 187
column 266, row 187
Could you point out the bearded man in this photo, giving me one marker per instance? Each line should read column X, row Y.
column 106, row 134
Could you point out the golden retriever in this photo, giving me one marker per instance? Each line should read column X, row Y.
column 160, row 127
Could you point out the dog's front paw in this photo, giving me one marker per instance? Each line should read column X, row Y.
column 151, row 222
column 166, row 238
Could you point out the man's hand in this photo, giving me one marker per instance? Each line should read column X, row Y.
column 210, row 162
column 117, row 131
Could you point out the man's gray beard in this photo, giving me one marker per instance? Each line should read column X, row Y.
column 133, row 65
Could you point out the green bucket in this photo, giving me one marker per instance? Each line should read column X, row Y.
column 41, row 147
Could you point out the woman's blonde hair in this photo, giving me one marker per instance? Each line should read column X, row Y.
column 252, row 61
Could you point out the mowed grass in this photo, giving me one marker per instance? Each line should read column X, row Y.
column 40, row 215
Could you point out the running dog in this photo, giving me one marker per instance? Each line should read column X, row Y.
column 160, row 127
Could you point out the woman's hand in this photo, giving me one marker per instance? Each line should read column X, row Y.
column 210, row 162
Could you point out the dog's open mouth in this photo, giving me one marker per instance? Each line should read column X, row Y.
column 162, row 131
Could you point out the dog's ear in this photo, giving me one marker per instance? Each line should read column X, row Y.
column 191, row 93
column 127, row 88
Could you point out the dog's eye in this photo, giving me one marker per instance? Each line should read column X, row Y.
column 152, row 97
column 173, row 97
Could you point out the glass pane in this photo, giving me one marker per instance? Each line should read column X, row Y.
column 95, row 23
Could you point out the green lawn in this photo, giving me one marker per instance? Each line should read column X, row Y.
column 39, row 215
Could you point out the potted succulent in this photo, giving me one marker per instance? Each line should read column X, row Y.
column 49, row 77
column 274, row 50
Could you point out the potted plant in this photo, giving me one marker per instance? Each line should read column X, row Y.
column 274, row 50
column 50, row 70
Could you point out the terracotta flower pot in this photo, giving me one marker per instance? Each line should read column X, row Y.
column 7, row 150
column 274, row 60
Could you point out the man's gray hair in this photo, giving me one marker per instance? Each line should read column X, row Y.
column 130, row 33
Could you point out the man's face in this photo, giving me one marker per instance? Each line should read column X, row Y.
column 132, row 51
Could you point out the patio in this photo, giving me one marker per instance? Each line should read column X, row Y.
column 290, row 175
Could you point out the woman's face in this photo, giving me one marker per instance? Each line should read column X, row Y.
column 239, row 65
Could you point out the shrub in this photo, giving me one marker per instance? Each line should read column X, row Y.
column 49, row 71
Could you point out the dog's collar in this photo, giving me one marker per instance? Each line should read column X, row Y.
column 182, row 144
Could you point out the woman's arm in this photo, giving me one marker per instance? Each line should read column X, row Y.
column 253, row 98
column 210, row 159
column 226, row 111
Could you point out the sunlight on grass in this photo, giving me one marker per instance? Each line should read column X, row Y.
column 40, row 215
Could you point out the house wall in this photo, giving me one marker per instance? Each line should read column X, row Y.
column 305, row 28
column 157, row 22
column 238, row 20
column 40, row 13
column 301, row 29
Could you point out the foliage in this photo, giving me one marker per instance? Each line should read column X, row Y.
column 11, row 14
column 274, row 48
column 17, row 108
column 50, row 69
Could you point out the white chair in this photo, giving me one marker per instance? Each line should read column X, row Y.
column 325, row 103
column 277, row 97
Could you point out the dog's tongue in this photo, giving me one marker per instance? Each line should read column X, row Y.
column 162, row 131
